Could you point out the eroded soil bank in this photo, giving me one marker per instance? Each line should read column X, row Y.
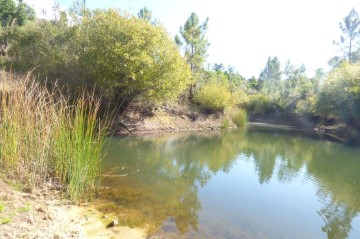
column 140, row 120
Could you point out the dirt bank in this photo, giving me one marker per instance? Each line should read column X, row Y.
column 141, row 120
column 43, row 214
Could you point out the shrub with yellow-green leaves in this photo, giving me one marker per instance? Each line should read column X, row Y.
column 108, row 48
column 213, row 97
column 261, row 103
column 141, row 59
column 340, row 93
column 239, row 117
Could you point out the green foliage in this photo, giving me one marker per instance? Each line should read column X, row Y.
column 2, row 207
column 119, row 52
column 5, row 220
column 146, row 14
column 225, row 124
column 44, row 135
column 131, row 54
column 262, row 104
column 239, row 117
column 292, row 93
column 306, row 106
column 340, row 94
column 26, row 208
column 195, row 42
column 214, row 96
column 12, row 15
column 350, row 40
column 271, row 74
column 49, row 48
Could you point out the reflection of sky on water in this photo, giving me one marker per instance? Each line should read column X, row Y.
column 268, row 210
column 240, row 185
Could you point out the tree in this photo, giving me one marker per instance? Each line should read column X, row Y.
column 48, row 46
column 253, row 83
column 12, row 14
column 145, row 13
column 350, row 40
column 219, row 67
column 193, row 39
column 270, row 76
column 236, row 81
column 272, row 71
column 193, row 36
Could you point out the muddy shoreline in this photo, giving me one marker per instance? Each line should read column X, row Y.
column 43, row 213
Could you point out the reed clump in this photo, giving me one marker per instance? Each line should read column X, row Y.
column 44, row 135
column 239, row 117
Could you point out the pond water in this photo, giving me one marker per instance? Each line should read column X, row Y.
column 234, row 184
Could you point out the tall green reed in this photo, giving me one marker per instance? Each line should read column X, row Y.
column 44, row 135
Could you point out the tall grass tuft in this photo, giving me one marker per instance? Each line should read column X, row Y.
column 239, row 117
column 44, row 136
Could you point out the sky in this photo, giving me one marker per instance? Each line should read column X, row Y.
column 244, row 33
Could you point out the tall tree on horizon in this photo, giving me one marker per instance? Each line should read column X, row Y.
column 193, row 39
column 350, row 39
column 272, row 71
column 270, row 76
column 146, row 14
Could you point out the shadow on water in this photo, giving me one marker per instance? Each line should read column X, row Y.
column 155, row 180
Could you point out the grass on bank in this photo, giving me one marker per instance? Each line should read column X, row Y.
column 239, row 117
column 43, row 136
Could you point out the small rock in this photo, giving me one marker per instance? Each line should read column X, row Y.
column 30, row 219
column 40, row 209
column 113, row 223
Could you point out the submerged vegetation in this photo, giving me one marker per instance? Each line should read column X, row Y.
column 46, row 136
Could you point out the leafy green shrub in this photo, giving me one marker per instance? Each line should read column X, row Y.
column 132, row 54
column 115, row 50
column 306, row 106
column 340, row 94
column 260, row 103
column 213, row 97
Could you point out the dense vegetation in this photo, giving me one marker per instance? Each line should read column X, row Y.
column 45, row 136
column 133, row 58
column 128, row 58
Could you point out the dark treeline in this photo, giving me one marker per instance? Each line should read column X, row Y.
column 133, row 58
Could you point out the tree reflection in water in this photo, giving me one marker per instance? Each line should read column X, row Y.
column 164, row 173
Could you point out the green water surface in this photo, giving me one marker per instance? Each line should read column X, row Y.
column 234, row 184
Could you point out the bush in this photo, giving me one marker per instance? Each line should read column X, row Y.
column 306, row 106
column 340, row 94
column 262, row 104
column 239, row 117
column 213, row 97
column 121, row 53
column 133, row 55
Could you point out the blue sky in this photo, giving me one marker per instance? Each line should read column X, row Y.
column 245, row 33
